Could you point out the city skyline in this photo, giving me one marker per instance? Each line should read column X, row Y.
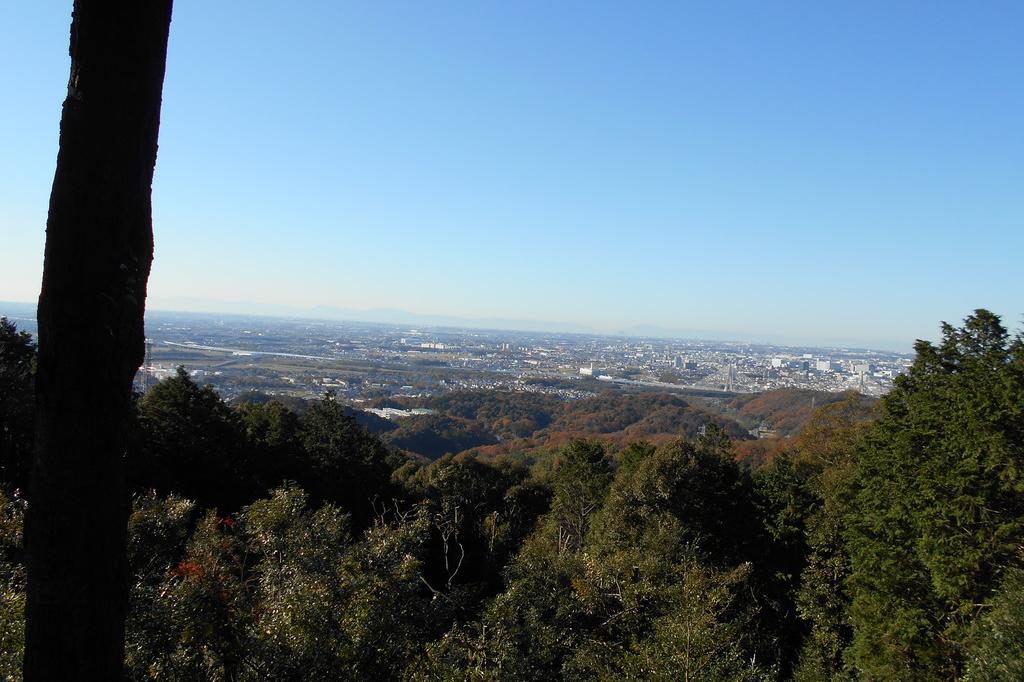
column 833, row 176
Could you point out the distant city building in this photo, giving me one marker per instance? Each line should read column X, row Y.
column 359, row 361
column 764, row 430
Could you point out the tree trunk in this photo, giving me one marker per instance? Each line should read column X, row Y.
column 99, row 246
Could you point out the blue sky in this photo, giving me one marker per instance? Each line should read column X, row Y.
column 801, row 172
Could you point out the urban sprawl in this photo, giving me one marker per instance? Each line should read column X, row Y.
column 360, row 362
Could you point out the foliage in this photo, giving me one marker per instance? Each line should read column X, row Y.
column 937, row 502
column 17, row 404
column 433, row 435
column 479, row 514
column 995, row 650
column 516, row 415
column 342, row 461
column 824, row 459
column 783, row 502
column 581, row 479
column 697, row 486
column 638, row 415
column 882, row 542
column 12, row 586
column 613, row 583
column 188, row 441
column 277, row 592
column 788, row 410
column 491, row 424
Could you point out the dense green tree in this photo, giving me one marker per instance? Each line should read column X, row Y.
column 17, row 404
column 783, row 501
column 434, row 435
column 271, row 425
column 12, row 586
column 699, row 636
column 189, row 442
column 195, row 623
column 631, row 456
column 345, row 463
column 477, row 524
column 579, row 483
column 278, row 591
column 531, row 629
column 938, row 502
column 158, row 532
column 613, row 583
column 679, row 518
column 995, row 650
column 274, row 446
column 294, row 552
column 825, row 457
column 704, row 490
column 884, row 542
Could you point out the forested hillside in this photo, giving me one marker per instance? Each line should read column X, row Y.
column 491, row 424
column 786, row 410
column 885, row 541
column 495, row 423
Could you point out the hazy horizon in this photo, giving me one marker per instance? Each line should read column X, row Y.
column 843, row 175
column 406, row 318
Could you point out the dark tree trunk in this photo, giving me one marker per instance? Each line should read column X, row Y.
column 99, row 246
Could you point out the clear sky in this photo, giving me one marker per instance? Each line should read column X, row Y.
column 798, row 171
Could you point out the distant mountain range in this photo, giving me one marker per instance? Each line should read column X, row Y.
column 380, row 316
column 374, row 315
column 404, row 317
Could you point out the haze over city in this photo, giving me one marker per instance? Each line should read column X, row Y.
column 794, row 173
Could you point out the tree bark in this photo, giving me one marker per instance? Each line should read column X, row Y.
column 99, row 247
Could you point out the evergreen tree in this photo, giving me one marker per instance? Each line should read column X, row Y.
column 17, row 404
column 937, row 507
column 189, row 442
column 995, row 650
column 825, row 459
column 342, row 462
